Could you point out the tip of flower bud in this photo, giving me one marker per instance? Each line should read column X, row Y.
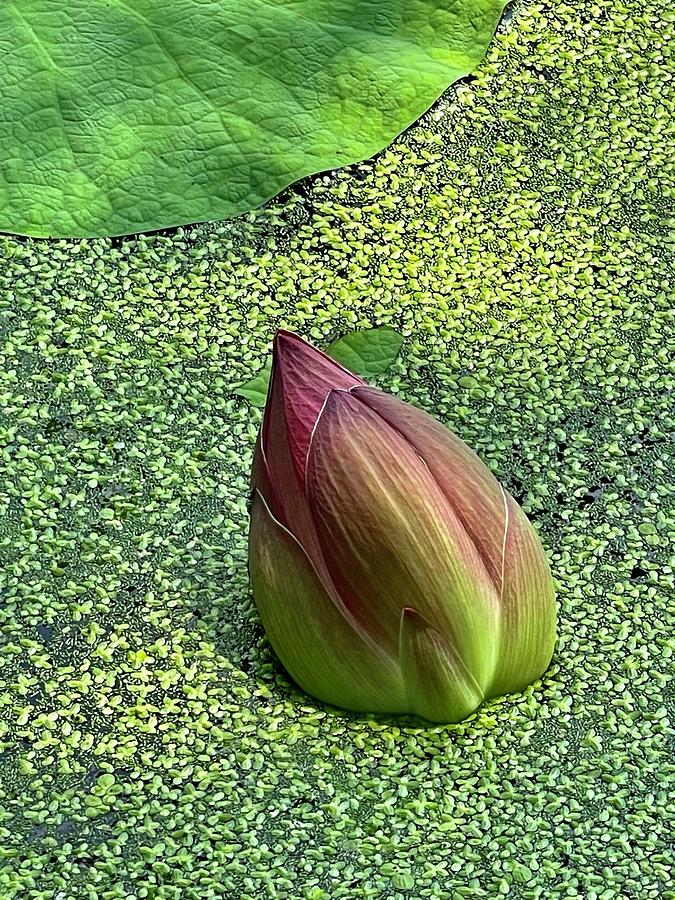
column 284, row 338
column 302, row 378
column 300, row 357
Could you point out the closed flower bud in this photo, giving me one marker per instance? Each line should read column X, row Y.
column 391, row 570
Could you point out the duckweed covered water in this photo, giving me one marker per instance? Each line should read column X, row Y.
column 150, row 746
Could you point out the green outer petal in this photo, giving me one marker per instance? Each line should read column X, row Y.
column 324, row 654
column 439, row 687
column 390, row 536
column 528, row 625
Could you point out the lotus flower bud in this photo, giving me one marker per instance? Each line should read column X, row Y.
column 391, row 570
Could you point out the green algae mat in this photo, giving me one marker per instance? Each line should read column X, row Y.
column 519, row 238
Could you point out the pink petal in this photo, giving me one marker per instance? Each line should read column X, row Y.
column 302, row 376
column 261, row 480
column 470, row 487
column 390, row 536
column 506, row 541
column 282, row 488
column 277, row 477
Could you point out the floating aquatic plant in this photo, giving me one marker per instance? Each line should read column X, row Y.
column 122, row 117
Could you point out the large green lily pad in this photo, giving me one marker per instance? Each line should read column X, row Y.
column 132, row 115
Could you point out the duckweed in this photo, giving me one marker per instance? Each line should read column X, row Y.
column 150, row 745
